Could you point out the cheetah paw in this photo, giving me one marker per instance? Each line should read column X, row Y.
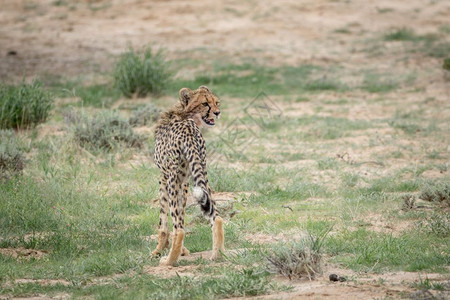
column 185, row 252
column 164, row 261
column 155, row 254
column 216, row 255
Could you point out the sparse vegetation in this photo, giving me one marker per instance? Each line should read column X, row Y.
column 24, row 106
column 324, row 84
column 145, row 115
column 437, row 223
column 374, row 84
column 439, row 50
column 141, row 74
column 105, row 131
column 427, row 284
column 407, row 34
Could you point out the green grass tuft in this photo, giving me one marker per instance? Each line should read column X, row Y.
column 446, row 64
column 24, row 106
column 298, row 259
column 402, row 34
column 136, row 74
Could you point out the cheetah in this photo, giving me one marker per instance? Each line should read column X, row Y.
column 180, row 154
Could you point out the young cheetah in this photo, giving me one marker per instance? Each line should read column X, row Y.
column 180, row 154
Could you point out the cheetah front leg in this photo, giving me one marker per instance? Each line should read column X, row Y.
column 163, row 232
column 217, row 229
column 218, row 238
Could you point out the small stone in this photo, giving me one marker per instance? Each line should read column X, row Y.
column 334, row 277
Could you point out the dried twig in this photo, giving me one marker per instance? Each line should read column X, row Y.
column 288, row 207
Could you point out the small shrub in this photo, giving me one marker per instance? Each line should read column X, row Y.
column 437, row 224
column 145, row 115
column 105, row 131
column 437, row 193
column 12, row 159
column 298, row 259
column 139, row 75
column 24, row 106
column 409, row 202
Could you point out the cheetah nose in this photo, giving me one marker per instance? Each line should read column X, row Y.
column 217, row 113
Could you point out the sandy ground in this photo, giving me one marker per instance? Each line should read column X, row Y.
column 83, row 38
column 38, row 37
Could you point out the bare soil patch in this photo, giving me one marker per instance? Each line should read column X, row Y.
column 22, row 253
column 358, row 285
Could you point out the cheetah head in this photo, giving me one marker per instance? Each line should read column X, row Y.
column 202, row 104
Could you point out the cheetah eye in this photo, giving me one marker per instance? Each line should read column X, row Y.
column 205, row 103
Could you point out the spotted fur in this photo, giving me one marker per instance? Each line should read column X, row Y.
column 180, row 154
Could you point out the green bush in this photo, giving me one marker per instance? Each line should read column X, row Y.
column 12, row 159
column 145, row 115
column 446, row 65
column 402, row 34
column 105, row 131
column 24, row 106
column 139, row 75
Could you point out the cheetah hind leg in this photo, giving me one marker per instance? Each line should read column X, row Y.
column 163, row 243
column 175, row 251
column 218, row 239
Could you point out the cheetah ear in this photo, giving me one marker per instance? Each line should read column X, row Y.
column 185, row 96
column 204, row 87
